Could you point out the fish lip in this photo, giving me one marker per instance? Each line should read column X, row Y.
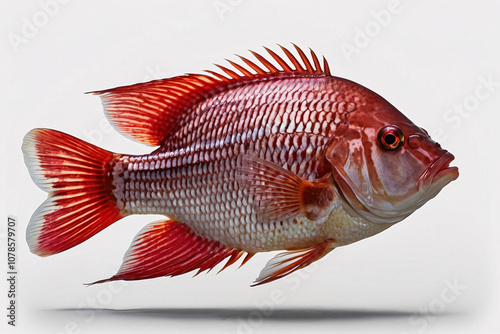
column 439, row 169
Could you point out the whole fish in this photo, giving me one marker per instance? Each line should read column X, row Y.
column 279, row 155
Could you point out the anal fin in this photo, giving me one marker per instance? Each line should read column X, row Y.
column 169, row 248
column 286, row 263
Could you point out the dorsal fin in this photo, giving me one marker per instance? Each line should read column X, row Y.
column 149, row 111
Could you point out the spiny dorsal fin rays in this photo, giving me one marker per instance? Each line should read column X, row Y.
column 253, row 66
column 240, row 68
column 317, row 65
column 229, row 72
column 311, row 65
column 326, row 68
column 265, row 62
column 292, row 58
column 149, row 111
column 279, row 60
column 218, row 76
column 304, row 59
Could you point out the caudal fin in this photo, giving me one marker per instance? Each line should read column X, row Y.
column 77, row 177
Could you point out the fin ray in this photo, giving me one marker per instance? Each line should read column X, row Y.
column 148, row 112
column 80, row 203
column 280, row 194
column 169, row 248
column 286, row 263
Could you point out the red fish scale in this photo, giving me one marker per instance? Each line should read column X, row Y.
column 192, row 177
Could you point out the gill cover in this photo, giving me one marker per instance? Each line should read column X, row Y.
column 376, row 183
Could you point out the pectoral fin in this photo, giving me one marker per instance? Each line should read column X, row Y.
column 279, row 194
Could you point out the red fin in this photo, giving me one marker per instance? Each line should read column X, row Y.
column 280, row 194
column 288, row 262
column 80, row 202
column 266, row 68
column 169, row 248
column 149, row 111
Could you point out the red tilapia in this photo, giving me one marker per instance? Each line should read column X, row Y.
column 279, row 155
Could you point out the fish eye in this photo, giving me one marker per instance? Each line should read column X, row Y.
column 390, row 138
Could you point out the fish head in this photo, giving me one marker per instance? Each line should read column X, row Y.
column 384, row 166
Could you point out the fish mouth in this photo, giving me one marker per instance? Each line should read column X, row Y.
column 439, row 171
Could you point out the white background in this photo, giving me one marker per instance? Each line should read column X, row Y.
column 427, row 59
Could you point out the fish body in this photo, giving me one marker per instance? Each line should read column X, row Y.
column 288, row 158
column 275, row 121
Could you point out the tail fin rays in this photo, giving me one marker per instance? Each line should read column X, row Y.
column 77, row 176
